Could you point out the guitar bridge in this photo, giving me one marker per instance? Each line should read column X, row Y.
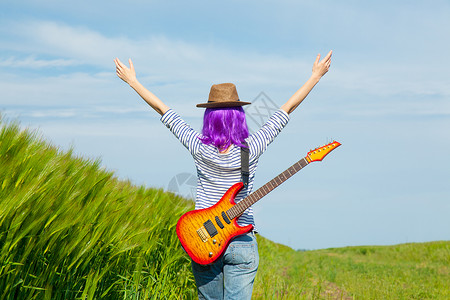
column 203, row 234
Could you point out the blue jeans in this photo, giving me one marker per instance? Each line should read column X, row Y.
column 232, row 276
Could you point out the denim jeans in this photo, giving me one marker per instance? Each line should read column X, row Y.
column 232, row 276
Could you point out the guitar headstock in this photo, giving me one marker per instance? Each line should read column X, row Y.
column 319, row 153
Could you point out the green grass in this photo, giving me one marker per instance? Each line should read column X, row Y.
column 71, row 230
column 407, row 271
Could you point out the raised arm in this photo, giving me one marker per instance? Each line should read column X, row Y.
column 129, row 76
column 319, row 69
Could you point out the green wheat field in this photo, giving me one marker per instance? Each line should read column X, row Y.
column 69, row 229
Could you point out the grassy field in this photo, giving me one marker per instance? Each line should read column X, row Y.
column 406, row 271
column 71, row 230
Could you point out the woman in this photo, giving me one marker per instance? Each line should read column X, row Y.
column 217, row 157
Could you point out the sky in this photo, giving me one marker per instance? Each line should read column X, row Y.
column 385, row 98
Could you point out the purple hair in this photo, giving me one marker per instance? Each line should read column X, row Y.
column 224, row 126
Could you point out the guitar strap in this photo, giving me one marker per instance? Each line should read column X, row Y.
column 245, row 172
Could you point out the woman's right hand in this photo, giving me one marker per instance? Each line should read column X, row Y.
column 126, row 74
column 321, row 67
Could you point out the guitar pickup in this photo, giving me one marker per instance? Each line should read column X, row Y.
column 225, row 218
column 219, row 223
column 209, row 226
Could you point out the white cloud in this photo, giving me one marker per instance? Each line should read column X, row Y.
column 33, row 62
column 181, row 72
column 90, row 47
column 166, row 59
column 384, row 79
column 80, row 113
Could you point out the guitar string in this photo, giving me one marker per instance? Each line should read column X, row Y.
column 251, row 199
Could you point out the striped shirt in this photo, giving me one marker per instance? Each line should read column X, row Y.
column 217, row 172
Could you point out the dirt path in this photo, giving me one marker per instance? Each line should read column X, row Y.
column 332, row 291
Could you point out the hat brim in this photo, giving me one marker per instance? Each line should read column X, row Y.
column 223, row 104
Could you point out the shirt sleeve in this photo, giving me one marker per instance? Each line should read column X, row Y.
column 184, row 133
column 259, row 141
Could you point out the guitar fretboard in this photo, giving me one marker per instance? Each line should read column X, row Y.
column 251, row 199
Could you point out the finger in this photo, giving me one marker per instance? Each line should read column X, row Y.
column 328, row 57
column 118, row 66
column 120, row 63
column 131, row 64
column 317, row 59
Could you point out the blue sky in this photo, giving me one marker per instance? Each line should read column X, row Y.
column 386, row 99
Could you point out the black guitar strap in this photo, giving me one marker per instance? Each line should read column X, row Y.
column 245, row 164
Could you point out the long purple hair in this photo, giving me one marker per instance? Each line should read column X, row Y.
column 224, row 126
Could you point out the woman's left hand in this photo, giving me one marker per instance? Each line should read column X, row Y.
column 126, row 74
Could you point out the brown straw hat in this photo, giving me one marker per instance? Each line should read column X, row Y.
column 223, row 95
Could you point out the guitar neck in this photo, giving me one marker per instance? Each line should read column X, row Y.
column 251, row 199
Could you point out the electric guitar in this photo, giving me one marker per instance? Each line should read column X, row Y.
column 206, row 233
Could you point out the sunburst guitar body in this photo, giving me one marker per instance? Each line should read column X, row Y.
column 206, row 233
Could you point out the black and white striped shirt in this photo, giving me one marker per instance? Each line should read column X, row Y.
column 217, row 172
